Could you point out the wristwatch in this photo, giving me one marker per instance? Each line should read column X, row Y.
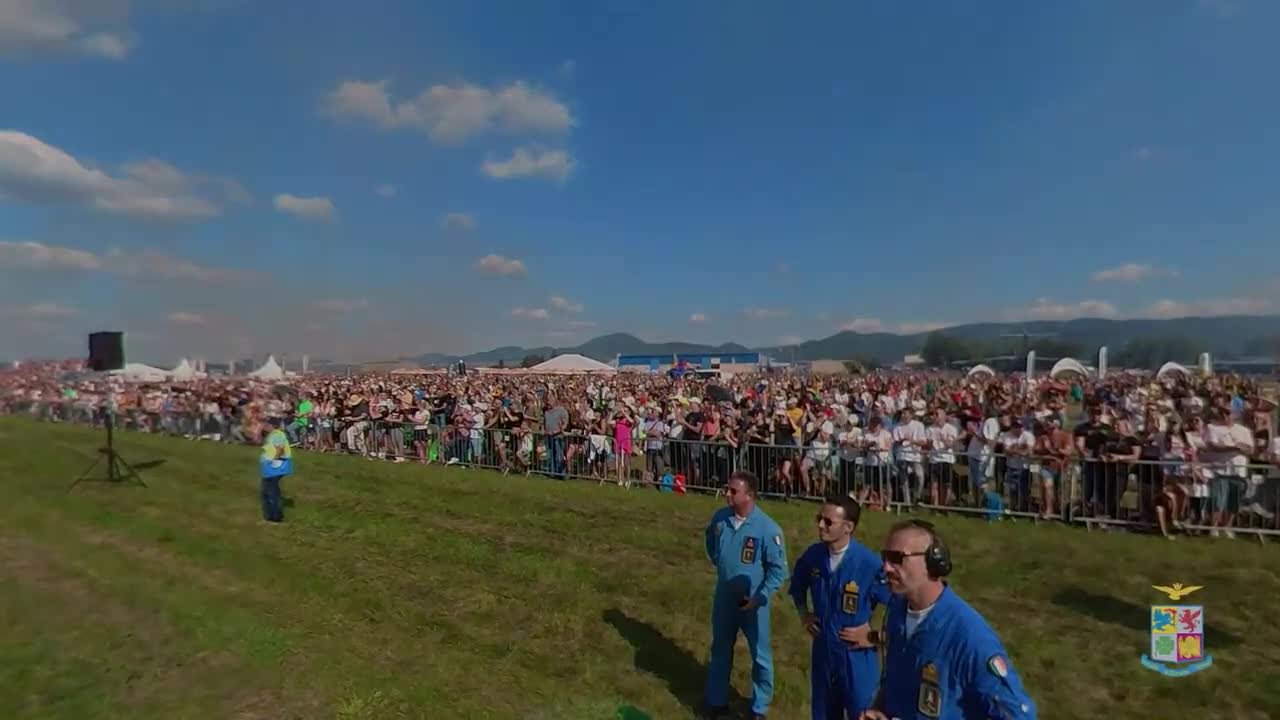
column 873, row 637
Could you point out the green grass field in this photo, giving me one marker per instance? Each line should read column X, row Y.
column 401, row 591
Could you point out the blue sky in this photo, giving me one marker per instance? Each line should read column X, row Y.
column 362, row 180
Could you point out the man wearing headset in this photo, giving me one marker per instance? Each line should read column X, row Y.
column 846, row 581
column 941, row 659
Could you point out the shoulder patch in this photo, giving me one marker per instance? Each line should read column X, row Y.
column 998, row 667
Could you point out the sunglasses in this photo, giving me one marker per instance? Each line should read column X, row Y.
column 825, row 521
column 897, row 557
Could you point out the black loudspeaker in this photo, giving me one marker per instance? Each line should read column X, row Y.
column 106, row 351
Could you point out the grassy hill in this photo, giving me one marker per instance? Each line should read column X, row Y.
column 397, row 591
column 1235, row 336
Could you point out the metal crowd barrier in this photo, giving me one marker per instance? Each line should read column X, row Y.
column 1164, row 495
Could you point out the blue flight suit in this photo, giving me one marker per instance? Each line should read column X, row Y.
column 952, row 668
column 751, row 562
column 843, row 678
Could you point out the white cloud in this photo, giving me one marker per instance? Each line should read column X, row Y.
column 1165, row 309
column 307, row 208
column 454, row 113
column 145, row 266
column 80, row 27
column 154, row 266
column 46, row 257
column 499, row 265
column 460, row 221
column 697, row 318
column 921, row 327
column 863, row 325
column 340, row 304
column 530, row 163
column 1132, row 272
column 40, row 311
column 764, row 313
column 1046, row 309
column 562, row 303
column 387, row 190
column 188, row 319
column 40, row 174
column 531, row 313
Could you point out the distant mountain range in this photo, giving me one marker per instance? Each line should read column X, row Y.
column 1228, row 336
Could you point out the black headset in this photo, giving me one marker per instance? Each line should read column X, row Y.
column 937, row 558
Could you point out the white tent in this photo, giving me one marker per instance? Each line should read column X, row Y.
column 571, row 363
column 270, row 370
column 185, row 371
column 1068, row 365
column 980, row 370
column 1170, row 368
column 137, row 372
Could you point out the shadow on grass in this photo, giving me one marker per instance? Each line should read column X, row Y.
column 1128, row 615
column 658, row 655
column 149, row 464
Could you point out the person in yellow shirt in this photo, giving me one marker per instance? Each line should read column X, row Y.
column 274, row 464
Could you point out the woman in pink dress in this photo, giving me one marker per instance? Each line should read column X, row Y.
column 622, row 424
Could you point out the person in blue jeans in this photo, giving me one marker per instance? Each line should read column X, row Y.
column 555, row 420
column 274, row 464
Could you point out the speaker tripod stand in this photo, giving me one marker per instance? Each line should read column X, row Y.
column 118, row 469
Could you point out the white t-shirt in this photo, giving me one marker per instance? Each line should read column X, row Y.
column 1018, row 440
column 835, row 556
column 990, row 430
column 942, row 443
column 910, row 438
column 653, row 431
column 850, row 444
column 914, row 618
column 881, row 443
column 819, row 450
column 1227, row 462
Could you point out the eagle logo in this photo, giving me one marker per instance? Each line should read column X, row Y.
column 1177, row 591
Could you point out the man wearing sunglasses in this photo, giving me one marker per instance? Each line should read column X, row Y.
column 745, row 545
column 942, row 660
column 846, row 582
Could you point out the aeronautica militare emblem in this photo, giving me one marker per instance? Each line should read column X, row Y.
column 1177, row 635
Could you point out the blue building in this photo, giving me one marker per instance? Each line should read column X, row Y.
column 721, row 362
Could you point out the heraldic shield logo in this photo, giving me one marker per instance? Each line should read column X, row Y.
column 1177, row 635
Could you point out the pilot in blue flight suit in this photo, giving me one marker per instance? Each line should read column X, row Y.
column 941, row 659
column 746, row 547
column 847, row 582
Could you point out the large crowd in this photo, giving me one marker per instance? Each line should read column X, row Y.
column 1179, row 454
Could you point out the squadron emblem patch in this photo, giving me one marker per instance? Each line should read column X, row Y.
column 929, row 701
column 849, row 598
